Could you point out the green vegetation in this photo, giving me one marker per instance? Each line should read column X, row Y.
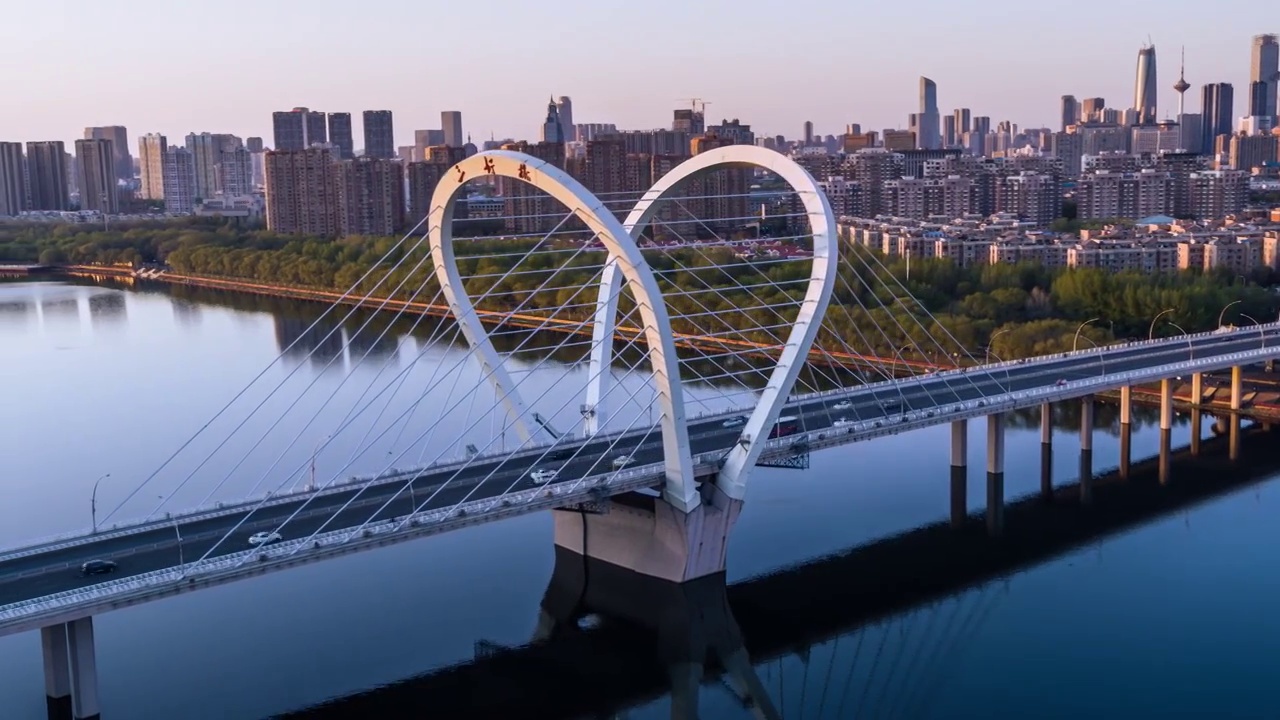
column 1016, row 310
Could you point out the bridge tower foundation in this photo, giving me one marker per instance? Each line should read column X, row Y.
column 649, row 536
column 959, row 472
column 995, row 474
column 70, row 670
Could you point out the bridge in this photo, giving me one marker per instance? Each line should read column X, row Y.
column 658, row 468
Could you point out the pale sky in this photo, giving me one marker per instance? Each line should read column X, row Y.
column 178, row 67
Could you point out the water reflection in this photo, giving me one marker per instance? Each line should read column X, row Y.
column 880, row 629
column 107, row 307
column 186, row 312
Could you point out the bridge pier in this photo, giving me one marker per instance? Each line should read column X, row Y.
column 70, row 670
column 1046, row 451
column 1197, row 389
column 959, row 472
column 1166, row 427
column 1086, row 449
column 649, row 536
column 995, row 474
column 1237, row 383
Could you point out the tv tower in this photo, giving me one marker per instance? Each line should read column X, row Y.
column 1182, row 85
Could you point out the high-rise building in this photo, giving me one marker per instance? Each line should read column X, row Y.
column 1218, row 193
column 1265, row 68
column 949, row 136
column 982, row 124
column 13, row 179
column 371, row 196
column 929, row 138
column 151, row 150
column 121, row 161
column 1091, row 109
column 316, row 133
column 1217, row 112
column 564, row 108
column 47, row 175
column 97, row 176
column 289, row 129
column 690, row 121
column 302, row 193
column 808, row 133
column 234, row 172
column 451, row 122
column 379, row 136
column 423, row 179
column 340, row 135
column 964, row 121
column 206, row 153
column 255, row 145
column 1070, row 111
column 1144, row 89
column 552, row 130
column 179, row 181
column 1250, row 151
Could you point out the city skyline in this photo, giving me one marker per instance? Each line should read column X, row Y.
column 636, row 92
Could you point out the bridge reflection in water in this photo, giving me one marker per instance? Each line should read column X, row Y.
column 650, row 638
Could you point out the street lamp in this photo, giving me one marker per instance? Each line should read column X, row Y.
column 311, row 481
column 1151, row 332
column 1262, row 336
column 991, row 341
column 1222, row 314
column 93, row 502
column 182, row 562
column 1102, row 358
column 1076, row 339
column 1191, row 350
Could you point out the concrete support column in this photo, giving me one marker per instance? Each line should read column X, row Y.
column 995, row 473
column 1126, row 450
column 1197, row 388
column 1233, row 437
column 959, row 472
column 1237, row 377
column 1086, row 448
column 57, row 670
column 1126, row 405
column 1166, row 404
column 1196, row 432
column 1046, row 451
column 84, row 670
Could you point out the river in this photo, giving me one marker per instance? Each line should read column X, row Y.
column 1175, row 618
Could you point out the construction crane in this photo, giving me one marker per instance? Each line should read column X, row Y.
column 696, row 103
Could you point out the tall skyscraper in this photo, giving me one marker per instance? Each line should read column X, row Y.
column 234, row 172
column 151, row 150
column 949, row 136
column 1144, row 89
column 564, row 108
column 1265, row 69
column 964, row 121
column 302, row 192
column 808, row 133
column 179, row 181
column 451, row 121
column 13, row 179
column 1070, row 111
column 340, row 135
column 289, row 129
column 379, row 136
column 121, row 160
column 97, row 176
column 1217, row 111
column 47, row 176
column 929, row 137
column 552, row 130
column 254, row 144
column 316, row 128
column 371, row 195
column 206, row 153
column 1091, row 109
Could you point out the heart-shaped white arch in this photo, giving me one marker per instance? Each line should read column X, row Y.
column 627, row 264
column 822, row 223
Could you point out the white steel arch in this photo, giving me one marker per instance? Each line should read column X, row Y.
column 625, row 262
column 822, row 222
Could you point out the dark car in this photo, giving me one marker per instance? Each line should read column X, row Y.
column 98, row 567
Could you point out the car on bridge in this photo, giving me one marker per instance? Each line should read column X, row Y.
column 544, row 475
column 1061, row 382
column 842, row 405
column 736, row 421
column 842, row 422
column 622, row 461
column 265, row 538
column 98, row 567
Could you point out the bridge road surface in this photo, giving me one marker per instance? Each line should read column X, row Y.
column 156, row 547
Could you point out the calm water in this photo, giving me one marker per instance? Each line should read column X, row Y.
column 1173, row 619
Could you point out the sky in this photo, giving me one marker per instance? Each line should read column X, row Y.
column 177, row 67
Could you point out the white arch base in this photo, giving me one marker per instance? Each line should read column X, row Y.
column 651, row 537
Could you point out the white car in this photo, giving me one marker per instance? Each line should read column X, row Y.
column 622, row 461
column 264, row 538
column 545, row 475
column 733, row 422
column 842, row 422
column 842, row 405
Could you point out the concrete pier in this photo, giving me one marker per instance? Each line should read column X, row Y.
column 70, row 670
column 1086, row 449
column 57, row 670
column 1126, row 405
column 1237, row 385
column 959, row 472
column 1126, row 450
column 1046, row 451
column 1166, row 427
column 1197, row 388
column 995, row 474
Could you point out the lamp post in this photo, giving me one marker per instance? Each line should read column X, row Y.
column 182, row 562
column 1151, row 331
column 991, row 341
column 1075, row 341
column 93, row 502
column 1223, row 314
column 1102, row 358
column 1191, row 349
column 311, row 480
column 1262, row 336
